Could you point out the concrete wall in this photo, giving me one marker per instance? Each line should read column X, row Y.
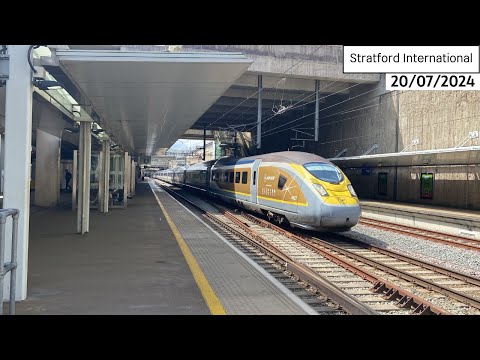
column 368, row 118
column 47, row 167
column 317, row 61
column 439, row 119
column 454, row 186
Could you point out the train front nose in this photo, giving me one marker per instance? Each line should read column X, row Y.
column 340, row 216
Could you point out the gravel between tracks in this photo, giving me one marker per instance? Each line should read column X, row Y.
column 461, row 260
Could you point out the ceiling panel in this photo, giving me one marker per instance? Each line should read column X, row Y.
column 150, row 99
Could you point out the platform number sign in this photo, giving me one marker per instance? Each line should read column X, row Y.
column 426, row 186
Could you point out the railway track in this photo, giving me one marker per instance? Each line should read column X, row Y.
column 353, row 280
column 391, row 265
column 458, row 241
column 319, row 294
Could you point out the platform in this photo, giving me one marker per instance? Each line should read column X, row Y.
column 130, row 263
column 452, row 221
column 241, row 285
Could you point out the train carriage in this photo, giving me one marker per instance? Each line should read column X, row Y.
column 299, row 188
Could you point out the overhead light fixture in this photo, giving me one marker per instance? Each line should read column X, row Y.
column 47, row 84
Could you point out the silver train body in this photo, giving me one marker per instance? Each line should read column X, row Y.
column 302, row 189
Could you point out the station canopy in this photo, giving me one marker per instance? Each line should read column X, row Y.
column 146, row 99
column 451, row 156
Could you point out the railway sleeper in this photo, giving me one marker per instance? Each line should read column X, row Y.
column 403, row 301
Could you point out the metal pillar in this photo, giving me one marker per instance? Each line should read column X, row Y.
column 132, row 177
column 74, row 179
column 2, row 160
column 18, row 148
column 135, row 177
column 126, row 179
column 101, row 180
column 106, row 176
column 84, row 163
column 259, row 114
column 204, row 142
column 317, row 108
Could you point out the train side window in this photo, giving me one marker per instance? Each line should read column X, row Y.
column 254, row 177
column 231, row 176
column 225, row 176
column 281, row 181
column 244, row 177
column 237, row 177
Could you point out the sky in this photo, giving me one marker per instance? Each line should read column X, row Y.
column 182, row 145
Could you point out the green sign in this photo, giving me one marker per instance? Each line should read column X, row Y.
column 426, row 186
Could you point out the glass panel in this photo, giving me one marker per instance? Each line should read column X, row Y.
column 325, row 172
column 237, row 177
column 382, row 183
column 426, row 186
column 244, row 177
column 281, row 182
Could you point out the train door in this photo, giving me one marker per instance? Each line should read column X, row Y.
column 254, row 182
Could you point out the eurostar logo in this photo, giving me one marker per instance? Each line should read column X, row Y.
column 341, row 199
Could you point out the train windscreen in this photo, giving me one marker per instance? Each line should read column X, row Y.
column 325, row 172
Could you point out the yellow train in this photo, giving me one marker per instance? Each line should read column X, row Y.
column 302, row 189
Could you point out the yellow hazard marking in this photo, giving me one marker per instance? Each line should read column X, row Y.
column 213, row 302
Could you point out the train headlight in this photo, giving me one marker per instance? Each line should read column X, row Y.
column 320, row 189
column 352, row 192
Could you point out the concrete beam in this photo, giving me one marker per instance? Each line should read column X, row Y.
column 237, row 91
column 323, row 62
column 293, row 84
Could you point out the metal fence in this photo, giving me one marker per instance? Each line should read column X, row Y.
column 12, row 265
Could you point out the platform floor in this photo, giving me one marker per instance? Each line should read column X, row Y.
column 239, row 283
column 451, row 213
column 131, row 263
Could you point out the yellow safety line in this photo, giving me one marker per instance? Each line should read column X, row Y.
column 213, row 302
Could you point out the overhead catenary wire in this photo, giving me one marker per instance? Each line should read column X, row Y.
column 276, row 130
column 294, row 65
column 324, row 97
column 303, row 99
column 338, row 103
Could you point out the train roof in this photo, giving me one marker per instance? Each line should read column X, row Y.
column 202, row 165
column 295, row 157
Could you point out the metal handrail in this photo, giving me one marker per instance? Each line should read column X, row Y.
column 12, row 265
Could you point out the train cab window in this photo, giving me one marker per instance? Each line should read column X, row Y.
column 254, row 177
column 237, row 177
column 231, row 176
column 244, row 177
column 281, row 181
column 325, row 172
